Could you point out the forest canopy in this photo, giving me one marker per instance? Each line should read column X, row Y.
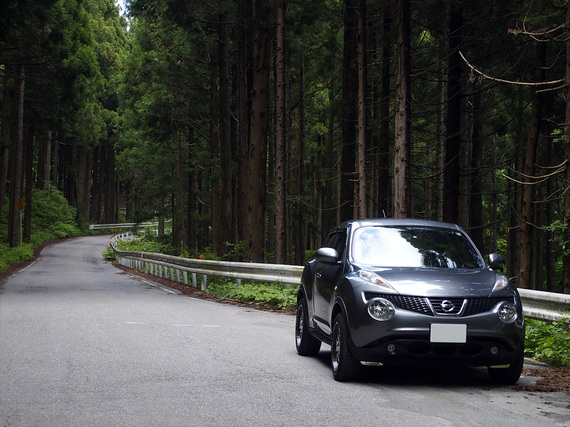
column 252, row 127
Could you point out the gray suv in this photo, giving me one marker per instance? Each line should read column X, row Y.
column 403, row 291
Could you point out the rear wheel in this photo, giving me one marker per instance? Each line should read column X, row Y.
column 508, row 375
column 307, row 345
column 345, row 366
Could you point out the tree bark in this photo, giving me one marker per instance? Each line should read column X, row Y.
column 476, row 179
column 245, row 80
column 383, row 143
column 402, row 144
column 257, row 154
column 216, row 193
column 349, row 112
column 280, row 138
column 453, row 141
column 7, row 102
column 566, row 256
column 225, row 136
column 178, row 214
column 526, row 230
column 362, row 110
column 17, row 166
column 29, row 184
column 300, row 226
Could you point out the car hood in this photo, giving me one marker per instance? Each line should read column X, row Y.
column 440, row 282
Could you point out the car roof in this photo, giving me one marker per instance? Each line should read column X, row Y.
column 357, row 223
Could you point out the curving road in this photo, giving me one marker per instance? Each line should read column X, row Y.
column 84, row 344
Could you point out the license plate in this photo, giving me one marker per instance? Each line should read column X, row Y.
column 446, row 333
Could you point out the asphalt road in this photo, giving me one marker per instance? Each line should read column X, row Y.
column 82, row 343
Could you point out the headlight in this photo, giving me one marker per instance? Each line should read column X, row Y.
column 372, row 277
column 500, row 283
column 381, row 309
column 507, row 312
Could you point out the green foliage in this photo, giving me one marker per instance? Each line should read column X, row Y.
column 271, row 294
column 14, row 256
column 52, row 218
column 109, row 254
column 548, row 341
column 145, row 244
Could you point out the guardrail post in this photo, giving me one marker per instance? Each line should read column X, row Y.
column 194, row 280
column 204, row 282
column 185, row 277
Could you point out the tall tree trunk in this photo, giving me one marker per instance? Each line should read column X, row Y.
column 7, row 102
column 383, row 143
column 280, row 138
column 192, row 192
column 402, row 144
column 362, row 110
column 83, row 172
column 349, row 112
column 95, row 211
column 566, row 257
column 44, row 161
column 453, row 141
column 514, row 202
column 475, row 179
column 225, row 135
column 245, row 80
column 440, row 143
column 17, row 166
column 526, row 229
column 300, row 227
column 215, row 169
column 257, row 154
column 29, row 184
column 178, row 217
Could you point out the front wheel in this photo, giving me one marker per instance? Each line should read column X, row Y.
column 307, row 345
column 345, row 366
column 510, row 375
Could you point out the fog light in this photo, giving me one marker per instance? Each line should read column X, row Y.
column 494, row 350
column 381, row 309
column 391, row 348
column 507, row 312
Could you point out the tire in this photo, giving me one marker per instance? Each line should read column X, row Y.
column 345, row 366
column 510, row 375
column 307, row 345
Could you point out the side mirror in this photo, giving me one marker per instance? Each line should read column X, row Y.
column 327, row 255
column 497, row 261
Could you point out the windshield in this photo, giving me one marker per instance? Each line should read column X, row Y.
column 413, row 247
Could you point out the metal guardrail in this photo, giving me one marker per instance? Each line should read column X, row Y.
column 124, row 225
column 537, row 304
column 545, row 305
column 185, row 270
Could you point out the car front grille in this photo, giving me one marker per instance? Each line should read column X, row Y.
column 441, row 306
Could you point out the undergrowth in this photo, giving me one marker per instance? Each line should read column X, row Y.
column 548, row 341
column 272, row 294
column 52, row 218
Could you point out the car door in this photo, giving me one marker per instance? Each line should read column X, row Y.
column 326, row 277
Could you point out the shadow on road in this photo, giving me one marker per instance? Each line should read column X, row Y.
column 418, row 375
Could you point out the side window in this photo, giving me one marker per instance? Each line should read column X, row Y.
column 339, row 242
column 329, row 241
column 336, row 240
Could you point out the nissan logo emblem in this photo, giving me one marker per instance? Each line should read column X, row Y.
column 447, row 306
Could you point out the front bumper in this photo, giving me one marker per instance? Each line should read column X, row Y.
column 406, row 338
